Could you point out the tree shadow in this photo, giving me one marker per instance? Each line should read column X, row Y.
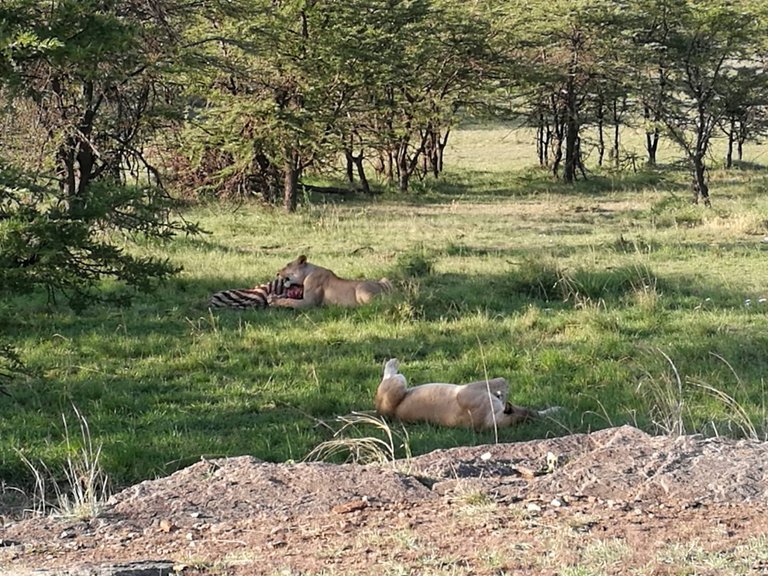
column 188, row 381
column 494, row 186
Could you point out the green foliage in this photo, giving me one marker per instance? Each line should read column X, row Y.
column 294, row 86
column 248, row 97
column 703, row 61
column 41, row 245
column 11, row 366
column 81, row 87
column 86, row 86
column 416, row 263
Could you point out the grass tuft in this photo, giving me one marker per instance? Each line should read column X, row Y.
column 358, row 449
column 86, row 486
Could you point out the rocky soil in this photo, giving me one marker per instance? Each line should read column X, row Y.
column 617, row 501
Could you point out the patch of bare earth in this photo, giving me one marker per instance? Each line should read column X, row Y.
column 616, row 501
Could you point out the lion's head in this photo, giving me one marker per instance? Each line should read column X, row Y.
column 294, row 273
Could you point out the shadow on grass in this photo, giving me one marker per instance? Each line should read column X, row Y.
column 488, row 186
column 166, row 381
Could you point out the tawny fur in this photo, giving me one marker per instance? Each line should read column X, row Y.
column 480, row 405
column 322, row 287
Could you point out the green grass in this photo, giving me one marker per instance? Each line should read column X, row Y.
column 576, row 295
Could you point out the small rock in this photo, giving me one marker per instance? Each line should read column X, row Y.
column 525, row 472
column 351, row 506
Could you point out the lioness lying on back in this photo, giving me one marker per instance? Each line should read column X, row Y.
column 321, row 287
column 479, row 405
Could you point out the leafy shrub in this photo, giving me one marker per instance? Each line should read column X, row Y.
column 415, row 263
column 45, row 243
column 10, row 366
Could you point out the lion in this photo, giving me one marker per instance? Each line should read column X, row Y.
column 321, row 287
column 479, row 405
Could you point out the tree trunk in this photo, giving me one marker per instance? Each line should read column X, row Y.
column 542, row 144
column 429, row 158
column 358, row 162
column 77, row 157
column 571, row 138
column 441, row 144
column 700, row 186
column 741, row 138
column 291, row 181
column 651, row 139
column 558, row 136
column 401, row 162
column 731, row 140
column 265, row 177
column 652, row 145
column 600, row 131
column 403, row 181
column 434, row 150
column 572, row 159
column 349, row 166
column 616, row 150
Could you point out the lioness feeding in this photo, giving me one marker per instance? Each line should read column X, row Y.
column 479, row 405
column 321, row 287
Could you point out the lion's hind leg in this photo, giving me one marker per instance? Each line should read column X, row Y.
column 484, row 402
column 478, row 393
column 392, row 371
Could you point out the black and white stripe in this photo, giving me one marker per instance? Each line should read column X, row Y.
column 241, row 299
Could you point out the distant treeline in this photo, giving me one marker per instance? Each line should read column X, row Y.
column 244, row 97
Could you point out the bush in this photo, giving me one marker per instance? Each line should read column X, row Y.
column 10, row 366
column 44, row 243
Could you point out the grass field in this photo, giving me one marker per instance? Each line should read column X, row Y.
column 615, row 298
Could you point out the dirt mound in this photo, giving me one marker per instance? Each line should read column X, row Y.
column 244, row 516
column 619, row 464
column 244, row 487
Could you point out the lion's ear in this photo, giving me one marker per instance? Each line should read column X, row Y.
column 301, row 259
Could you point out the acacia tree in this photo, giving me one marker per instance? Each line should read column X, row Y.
column 558, row 63
column 299, row 83
column 657, row 22
column 86, row 75
column 706, row 47
column 97, row 91
column 436, row 58
column 271, row 83
column 746, row 112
